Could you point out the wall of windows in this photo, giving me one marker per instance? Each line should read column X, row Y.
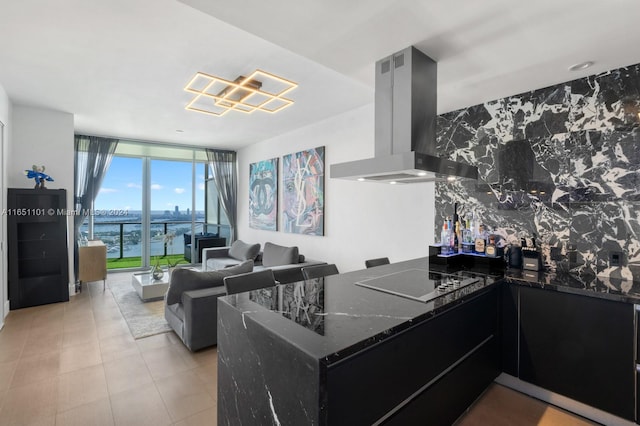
column 151, row 196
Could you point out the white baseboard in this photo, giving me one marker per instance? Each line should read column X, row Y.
column 563, row 402
column 72, row 290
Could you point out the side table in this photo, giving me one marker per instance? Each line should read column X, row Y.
column 92, row 260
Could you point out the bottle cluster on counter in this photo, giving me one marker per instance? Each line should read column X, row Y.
column 467, row 236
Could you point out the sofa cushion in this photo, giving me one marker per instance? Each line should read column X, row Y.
column 183, row 279
column 275, row 255
column 216, row 263
column 243, row 251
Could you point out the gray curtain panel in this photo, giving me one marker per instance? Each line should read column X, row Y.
column 92, row 158
column 223, row 164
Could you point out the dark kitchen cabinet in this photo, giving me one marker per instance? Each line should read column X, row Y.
column 580, row 347
column 37, row 247
column 509, row 328
column 429, row 373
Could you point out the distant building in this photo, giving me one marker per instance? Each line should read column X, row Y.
column 167, row 212
column 177, row 211
column 188, row 211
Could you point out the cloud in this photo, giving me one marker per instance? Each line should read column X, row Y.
column 201, row 186
column 134, row 185
column 107, row 190
column 179, row 190
column 156, row 186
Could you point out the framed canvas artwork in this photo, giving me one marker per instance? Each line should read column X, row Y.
column 303, row 192
column 263, row 195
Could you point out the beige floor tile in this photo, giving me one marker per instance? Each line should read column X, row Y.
column 121, row 342
column 9, row 353
column 126, row 373
column 112, row 328
column 49, row 319
column 42, row 341
column 204, row 418
column 113, row 356
column 81, row 387
column 208, row 375
column 78, row 317
column 184, row 395
column 97, row 413
column 36, row 368
column 6, row 374
column 164, row 362
column 31, row 404
column 107, row 314
column 157, row 341
column 13, row 336
column 18, row 320
column 140, row 406
column 201, row 358
column 78, row 357
column 79, row 336
column 3, row 394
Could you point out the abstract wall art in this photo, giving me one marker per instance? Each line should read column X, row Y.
column 303, row 192
column 263, row 195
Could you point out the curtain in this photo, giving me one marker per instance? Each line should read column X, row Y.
column 223, row 164
column 92, row 158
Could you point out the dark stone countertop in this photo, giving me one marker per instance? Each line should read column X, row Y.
column 603, row 287
column 332, row 318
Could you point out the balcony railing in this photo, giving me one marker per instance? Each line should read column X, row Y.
column 124, row 239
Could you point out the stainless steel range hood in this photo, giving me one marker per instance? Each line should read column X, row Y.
column 405, row 126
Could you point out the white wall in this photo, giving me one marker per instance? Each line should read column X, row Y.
column 43, row 137
column 5, row 110
column 363, row 220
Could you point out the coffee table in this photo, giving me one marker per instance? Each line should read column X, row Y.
column 148, row 288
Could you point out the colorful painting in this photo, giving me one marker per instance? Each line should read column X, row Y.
column 263, row 195
column 303, row 191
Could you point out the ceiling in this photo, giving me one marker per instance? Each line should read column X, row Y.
column 120, row 66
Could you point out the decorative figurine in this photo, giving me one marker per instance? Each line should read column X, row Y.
column 37, row 173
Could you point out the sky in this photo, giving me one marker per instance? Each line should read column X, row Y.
column 170, row 185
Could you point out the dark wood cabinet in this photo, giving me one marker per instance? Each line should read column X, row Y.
column 37, row 247
column 580, row 347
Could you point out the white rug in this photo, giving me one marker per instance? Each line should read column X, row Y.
column 143, row 318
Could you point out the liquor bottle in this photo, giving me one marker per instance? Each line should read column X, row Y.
column 456, row 237
column 480, row 241
column 444, row 239
column 491, row 247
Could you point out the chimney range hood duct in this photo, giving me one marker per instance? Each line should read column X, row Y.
column 405, row 126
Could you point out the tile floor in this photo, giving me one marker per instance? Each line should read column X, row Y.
column 76, row 363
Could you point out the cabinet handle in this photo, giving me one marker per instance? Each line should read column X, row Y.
column 44, row 254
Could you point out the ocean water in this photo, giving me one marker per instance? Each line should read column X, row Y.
column 107, row 229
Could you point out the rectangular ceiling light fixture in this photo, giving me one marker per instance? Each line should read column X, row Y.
column 261, row 91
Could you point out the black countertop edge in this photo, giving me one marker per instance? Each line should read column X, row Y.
column 601, row 287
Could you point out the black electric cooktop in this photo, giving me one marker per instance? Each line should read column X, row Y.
column 419, row 284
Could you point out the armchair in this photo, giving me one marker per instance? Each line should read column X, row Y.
column 202, row 241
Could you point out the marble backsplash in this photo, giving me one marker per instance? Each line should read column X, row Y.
column 561, row 163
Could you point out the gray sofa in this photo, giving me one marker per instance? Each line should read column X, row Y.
column 285, row 262
column 191, row 303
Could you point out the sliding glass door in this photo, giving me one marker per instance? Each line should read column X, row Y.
column 151, row 201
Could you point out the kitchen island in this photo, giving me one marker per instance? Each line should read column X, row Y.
column 345, row 350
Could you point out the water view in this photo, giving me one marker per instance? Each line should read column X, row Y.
column 122, row 233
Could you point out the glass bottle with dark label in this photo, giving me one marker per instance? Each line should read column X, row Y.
column 490, row 250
